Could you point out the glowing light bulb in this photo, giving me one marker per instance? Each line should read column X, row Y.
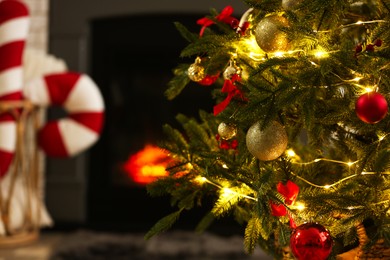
column 381, row 137
column 359, row 22
column 290, row 153
column 327, row 187
column 300, row 206
column 368, row 89
column 350, row 164
column 226, row 191
column 189, row 166
column 200, row 179
column 279, row 54
column 357, row 79
column 321, row 54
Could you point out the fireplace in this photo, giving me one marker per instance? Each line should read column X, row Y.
column 131, row 61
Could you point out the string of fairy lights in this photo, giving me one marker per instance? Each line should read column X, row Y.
column 290, row 153
column 298, row 205
column 257, row 55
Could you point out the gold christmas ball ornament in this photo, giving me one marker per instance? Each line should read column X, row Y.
column 231, row 70
column 290, row 4
column 196, row 71
column 267, row 144
column 268, row 35
column 227, row 130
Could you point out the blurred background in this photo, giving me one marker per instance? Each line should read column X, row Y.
column 129, row 48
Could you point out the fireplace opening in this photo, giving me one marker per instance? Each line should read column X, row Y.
column 131, row 61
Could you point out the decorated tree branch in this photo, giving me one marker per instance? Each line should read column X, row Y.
column 296, row 147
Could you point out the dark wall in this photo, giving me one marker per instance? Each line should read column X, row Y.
column 70, row 39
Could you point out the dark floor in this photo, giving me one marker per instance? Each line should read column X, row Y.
column 83, row 244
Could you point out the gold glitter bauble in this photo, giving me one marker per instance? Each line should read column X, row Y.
column 231, row 70
column 268, row 35
column 227, row 131
column 267, row 144
column 290, row 4
column 196, row 71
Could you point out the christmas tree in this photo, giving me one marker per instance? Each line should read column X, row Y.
column 296, row 147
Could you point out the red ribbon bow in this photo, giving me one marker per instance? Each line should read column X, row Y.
column 225, row 144
column 278, row 210
column 224, row 16
column 290, row 193
column 243, row 29
column 209, row 80
column 230, row 88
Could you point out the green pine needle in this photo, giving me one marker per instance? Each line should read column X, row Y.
column 252, row 234
column 163, row 224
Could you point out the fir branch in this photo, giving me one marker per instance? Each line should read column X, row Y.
column 163, row 224
column 252, row 234
column 217, row 62
column 322, row 19
column 206, row 221
column 185, row 33
column 266, row 6
column 188, row 201
column 385, row 5
column 178, row 82
column 209, row 44
column 271, row 114
column 267, row 226
column 175, row 143
column 273, row 62
column 382, row 161
column 199, row 137
column 226, row 202
column 283, row 234
column 308, row 107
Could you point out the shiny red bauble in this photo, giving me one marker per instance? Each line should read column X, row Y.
column 371, row 107
column 311, row 241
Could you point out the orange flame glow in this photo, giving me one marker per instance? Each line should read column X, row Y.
column 147, row 165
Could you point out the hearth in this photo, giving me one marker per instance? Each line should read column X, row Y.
column 131, row 61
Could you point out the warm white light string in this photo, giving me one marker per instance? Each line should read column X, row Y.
column 354, row 24
column 318, row 54
column 290, row 153
column 201, row 180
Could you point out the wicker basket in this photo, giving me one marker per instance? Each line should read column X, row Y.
column 379, row 251
column 23, row 179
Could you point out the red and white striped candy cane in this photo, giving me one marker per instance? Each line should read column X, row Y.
column 14, row 24
column 81, row 98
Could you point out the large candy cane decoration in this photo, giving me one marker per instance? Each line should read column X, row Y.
column 14, row 23
column 81, row 98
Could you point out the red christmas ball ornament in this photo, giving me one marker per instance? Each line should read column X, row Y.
column 371, row 107
column 311, row 241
